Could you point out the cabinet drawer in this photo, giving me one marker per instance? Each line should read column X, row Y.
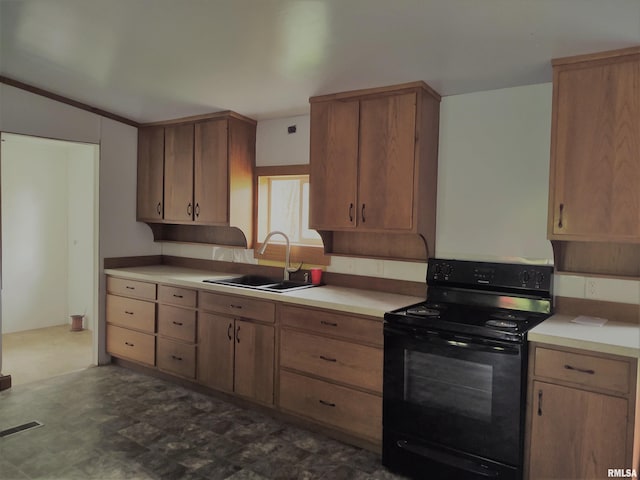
column 236, row 306
column 355, row 412
column 131, row 288
column 176, row 357
column 177, row 296
column 176, row 322
column 585, row 370
column 131, row 313
column 332, row 359
column 345, row 326
column 125, row 343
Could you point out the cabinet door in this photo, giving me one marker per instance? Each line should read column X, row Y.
column 178, row 173
column 333, row 165
column 254, row 367
column 211, row 183
column 576, row 434
column 387, row 159
column 596, row 163
column 215, row 351
column 150, row 173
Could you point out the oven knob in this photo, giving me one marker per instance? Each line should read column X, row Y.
column 525, row 277
column 539, row 278
column 446, row 270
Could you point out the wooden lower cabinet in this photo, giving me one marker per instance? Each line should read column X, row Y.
column 330, row 370
column 576, row 433
column 132, row 345
column 237, row 356
column 176, row 357
column 581, row 413
column 349, row 410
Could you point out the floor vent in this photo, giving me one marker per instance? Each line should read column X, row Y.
column 19, row 428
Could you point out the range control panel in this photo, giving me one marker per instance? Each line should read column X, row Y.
column 485, row 274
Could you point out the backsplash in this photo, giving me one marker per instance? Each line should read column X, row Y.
column 574, row 286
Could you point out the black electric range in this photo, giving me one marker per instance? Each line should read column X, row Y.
column 455, row 370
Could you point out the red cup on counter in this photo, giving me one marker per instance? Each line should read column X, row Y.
column 316, row 276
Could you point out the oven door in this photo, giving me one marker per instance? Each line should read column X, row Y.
column 447, row 395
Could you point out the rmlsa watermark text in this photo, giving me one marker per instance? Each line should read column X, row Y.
column 622, row 473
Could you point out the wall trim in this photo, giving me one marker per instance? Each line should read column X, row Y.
column 59, row 98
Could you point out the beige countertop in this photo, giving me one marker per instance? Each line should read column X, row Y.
column 348, row 300
column 613, row 337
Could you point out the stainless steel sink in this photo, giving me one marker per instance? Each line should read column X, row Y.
column 258, row 282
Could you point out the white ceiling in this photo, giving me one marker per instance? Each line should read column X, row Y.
column 151, row 60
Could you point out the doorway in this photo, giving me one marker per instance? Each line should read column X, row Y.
column 49, row 191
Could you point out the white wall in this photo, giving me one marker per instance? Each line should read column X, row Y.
column 275, row 146
column 34, row 226
column 81, row 208
column 30, row 114
column 493, row 175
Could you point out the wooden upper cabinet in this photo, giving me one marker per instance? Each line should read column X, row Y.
column 374, row 160
column 387, row 161
column 198, row 171
column 595, row 155
column 211, row 185
column 150, row 173
column 178, row 173
column 334, row 165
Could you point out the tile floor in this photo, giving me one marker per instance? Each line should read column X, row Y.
column 34, row 355
column 111, row 423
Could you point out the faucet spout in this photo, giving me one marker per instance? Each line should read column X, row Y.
column 287, row 268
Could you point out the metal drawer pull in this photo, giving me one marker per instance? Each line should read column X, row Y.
column 581, row 370
column 351, row 212
column 177, row 323
column 235, row 306
column 328, row 404
column 197, row 209
column 130, row 288
column 158, row 208
column 238, row 334
column 176, row 358
column 330, row 324
column 560, row 219
column 128, row 312
column 539, row 403
column 229, row 330
column 362, row 214
column 189, row 209
column 177, row 296
column 129, row 344
column 327, row 358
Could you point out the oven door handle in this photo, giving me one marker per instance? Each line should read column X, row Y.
column 448, row 459
column 456, row 341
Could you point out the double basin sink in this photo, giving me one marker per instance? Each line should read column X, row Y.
column 258, row 282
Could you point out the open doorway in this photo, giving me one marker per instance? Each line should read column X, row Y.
column 50, row 270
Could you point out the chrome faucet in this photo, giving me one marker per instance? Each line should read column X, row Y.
column 287, row 269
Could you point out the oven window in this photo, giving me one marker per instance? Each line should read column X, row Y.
column 451, row 385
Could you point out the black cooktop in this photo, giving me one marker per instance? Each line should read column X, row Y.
column 494, row 300
column 503, row 324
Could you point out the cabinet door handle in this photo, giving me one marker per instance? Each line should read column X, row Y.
column 159, row 208
column 328, row 359
column 176, row 358
column 351, row 212
column 189, row 209
column 128, row 312
column 129, row 344
column 238, row 334
column 130, row 288
column 327, row 404
column 329, row 324
column 197, row 210
column 177, row 296
column 560, row 217
column 362, row 214
column 539, row 403
column 229, row 330
column 581, row 370
column 177, row 323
